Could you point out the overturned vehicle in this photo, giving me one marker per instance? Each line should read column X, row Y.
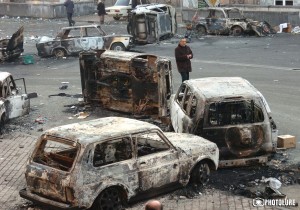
column 230, row 112
column 136, row 83
column 151, row 23
column 227, row 21
column 12, row 48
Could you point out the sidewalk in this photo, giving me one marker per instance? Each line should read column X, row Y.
column 14, row 151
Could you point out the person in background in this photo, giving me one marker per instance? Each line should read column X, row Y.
column 70, row 9
column 183, row 56
column 153, row 205
column 101, row 11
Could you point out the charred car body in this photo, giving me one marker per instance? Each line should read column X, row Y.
column 129, row 82
column 227, row 21
column 230, row 112
column 12, row 48
column 75, row 39
column 14, row 100
column 93, row 164
column 152, row 22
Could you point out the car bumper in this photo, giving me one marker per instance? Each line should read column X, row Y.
column 45, row 201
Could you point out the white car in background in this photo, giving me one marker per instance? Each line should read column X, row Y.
column 121, row 8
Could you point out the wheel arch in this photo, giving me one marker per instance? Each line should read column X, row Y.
column 119, row 42
column 59, row 48
column 123, row 189
column 211, row 164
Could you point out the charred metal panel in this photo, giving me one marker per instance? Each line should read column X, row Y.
column 135, row 83
column 12, row 48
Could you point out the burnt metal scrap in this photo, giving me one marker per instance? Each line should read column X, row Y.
column 12, row 48
column 77, row 166
column 129, row 82
column 151, row 23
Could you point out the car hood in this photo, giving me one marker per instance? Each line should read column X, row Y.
column 45, row 39
column 117, row 7
column 119, row 35
column 191, row 144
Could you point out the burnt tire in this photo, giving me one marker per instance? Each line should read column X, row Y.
column 116, row 17
column 201, row 173
column 59, row 53
column 117, row 47
column 237, row 31
column 109, row 199
column 2, row 123
column 201, row 30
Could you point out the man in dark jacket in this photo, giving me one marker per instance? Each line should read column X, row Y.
column 101, row 10
column 70, row 9
column 183, row 55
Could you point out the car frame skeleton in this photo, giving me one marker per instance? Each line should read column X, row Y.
column 75, row 39
column 151, row 23
column 129, row 82
column 230, row 112
column 12, row 48
column 227, row 21
column 93, row 164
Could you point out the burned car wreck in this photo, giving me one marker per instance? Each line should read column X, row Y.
column 136, row 83
column 12, row 48
column 151, row 23
column 93, row 164
column 228, row 21
column 230, row 112
column 75, row 39
column 14, row 99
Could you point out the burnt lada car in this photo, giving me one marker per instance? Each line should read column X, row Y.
column 14, row 99
column 12, row 48
column 75, row 39
column 150, row 23
column 230, row 112
column 227, row 21
column 130, row 82
column 106, row 162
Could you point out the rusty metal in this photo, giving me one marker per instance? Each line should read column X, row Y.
column 228, row 111
column 129, row 82
column 12, row 48
column 73, row 165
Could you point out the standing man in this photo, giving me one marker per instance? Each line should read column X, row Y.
column 183, row 55
column 70, row 9
column 101, row 11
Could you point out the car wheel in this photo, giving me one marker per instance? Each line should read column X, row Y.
column 116, row 17
column 201, row 31
column 117, row 47
column 59, row 53
column 2, row 123
column 109, row 199
column 237, row 31
column 200, row 174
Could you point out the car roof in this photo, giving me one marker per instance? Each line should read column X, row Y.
column 99, row 129
column 225, row 87
column 3, row 76
column 79, row 27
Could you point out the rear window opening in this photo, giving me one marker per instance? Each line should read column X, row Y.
column 57, row 153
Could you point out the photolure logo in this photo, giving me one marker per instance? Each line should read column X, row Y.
column 258, row 202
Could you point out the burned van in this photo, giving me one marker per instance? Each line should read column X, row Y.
column 130, row 82
column 151, row 23
column 230, row 112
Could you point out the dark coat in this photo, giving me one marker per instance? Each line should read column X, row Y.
column 69, row 6
column 101, row 8
column 183, row 63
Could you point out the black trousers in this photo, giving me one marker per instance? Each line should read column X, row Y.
column 185, row 76
column 71, row 22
